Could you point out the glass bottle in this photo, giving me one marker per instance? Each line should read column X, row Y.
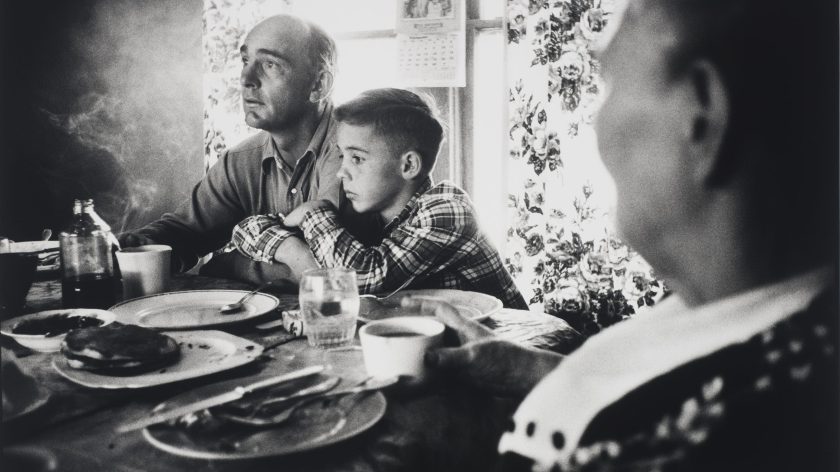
column 88, row 279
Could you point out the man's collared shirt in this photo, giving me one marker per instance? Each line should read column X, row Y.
column 434, row 242
column 250, row 179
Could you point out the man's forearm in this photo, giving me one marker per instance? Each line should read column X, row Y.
column 237, row 266
column 186, row 249
column 202, row 223
column 295, row 253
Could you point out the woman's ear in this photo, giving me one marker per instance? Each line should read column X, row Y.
column 322, row 87
column 411, row 165
column 708, row 110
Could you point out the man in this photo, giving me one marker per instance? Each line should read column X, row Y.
column 287, row 76
column 721, row 135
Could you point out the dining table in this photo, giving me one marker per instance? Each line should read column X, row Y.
column 444, row 424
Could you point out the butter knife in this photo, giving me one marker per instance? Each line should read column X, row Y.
column 216, row 400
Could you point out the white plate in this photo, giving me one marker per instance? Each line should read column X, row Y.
column 192, row 309
column 312, row 426
column 41, row 343
column 202, row 353
column 33, row 246
column 475, row 305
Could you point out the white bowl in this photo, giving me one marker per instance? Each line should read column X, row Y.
column 397, row 346
column 42, row 343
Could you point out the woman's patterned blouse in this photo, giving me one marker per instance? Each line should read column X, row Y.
column 769, row 404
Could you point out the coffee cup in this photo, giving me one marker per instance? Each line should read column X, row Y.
column 397, row 346
column 17, row 271
column 145, row 269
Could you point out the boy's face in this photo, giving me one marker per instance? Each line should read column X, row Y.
column 370, row 171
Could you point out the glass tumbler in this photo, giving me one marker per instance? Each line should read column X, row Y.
column 329, row 303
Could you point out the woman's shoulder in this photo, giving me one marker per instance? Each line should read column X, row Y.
column 770, row 403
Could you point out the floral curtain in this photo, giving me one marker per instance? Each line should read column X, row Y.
column 561, row 246
column 225, row 24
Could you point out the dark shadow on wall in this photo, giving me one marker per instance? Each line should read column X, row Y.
column 101, row 99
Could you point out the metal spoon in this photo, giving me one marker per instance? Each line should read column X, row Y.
column 237, row 306
column 375, row 307
column 393, row 292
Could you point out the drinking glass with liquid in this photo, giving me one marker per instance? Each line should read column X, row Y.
column 329, row 303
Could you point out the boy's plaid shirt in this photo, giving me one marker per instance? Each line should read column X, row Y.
column 259, row 237
column 435, row 240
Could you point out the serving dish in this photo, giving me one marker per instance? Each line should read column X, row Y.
column 475, row 305
column 49, row 341
column 315, row 425
column 202, row 353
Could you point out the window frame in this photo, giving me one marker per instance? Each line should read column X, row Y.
column 460, row 99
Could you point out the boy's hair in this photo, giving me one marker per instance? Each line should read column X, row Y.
column 405, row 119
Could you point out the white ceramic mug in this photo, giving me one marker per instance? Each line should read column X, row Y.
column 396, row 346
column 145, row 270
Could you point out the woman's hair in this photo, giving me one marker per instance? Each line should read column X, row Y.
column 404, row 119
column 779, row 63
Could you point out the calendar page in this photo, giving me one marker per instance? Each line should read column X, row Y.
column 431, row 43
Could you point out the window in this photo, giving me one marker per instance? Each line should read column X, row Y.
column 472, row 156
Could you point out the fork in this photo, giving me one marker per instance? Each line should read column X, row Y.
column 286, row 413
column 251, row 410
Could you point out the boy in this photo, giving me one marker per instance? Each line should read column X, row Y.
column 389, row 140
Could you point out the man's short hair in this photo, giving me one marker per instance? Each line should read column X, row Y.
column 322, row 50
column 404, row 118
column 779, row 62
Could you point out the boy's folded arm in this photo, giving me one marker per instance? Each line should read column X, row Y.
column 259, row 237
column 428, row 243
column 319, row 221
column 263, row 238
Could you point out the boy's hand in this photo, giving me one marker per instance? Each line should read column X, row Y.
column 259, row 237
column 295, row 218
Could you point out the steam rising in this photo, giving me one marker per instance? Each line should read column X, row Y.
column 142, row 65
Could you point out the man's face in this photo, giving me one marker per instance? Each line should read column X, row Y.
column 370, row 172
column 277, row 74
column 639, row 135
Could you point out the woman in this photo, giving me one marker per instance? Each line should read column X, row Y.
column 739, row 370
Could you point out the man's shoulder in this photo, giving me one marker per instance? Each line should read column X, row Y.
column 247, row 155
column 327, row 153
column 252, row 145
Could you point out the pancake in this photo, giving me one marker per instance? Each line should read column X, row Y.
column 118, row 349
